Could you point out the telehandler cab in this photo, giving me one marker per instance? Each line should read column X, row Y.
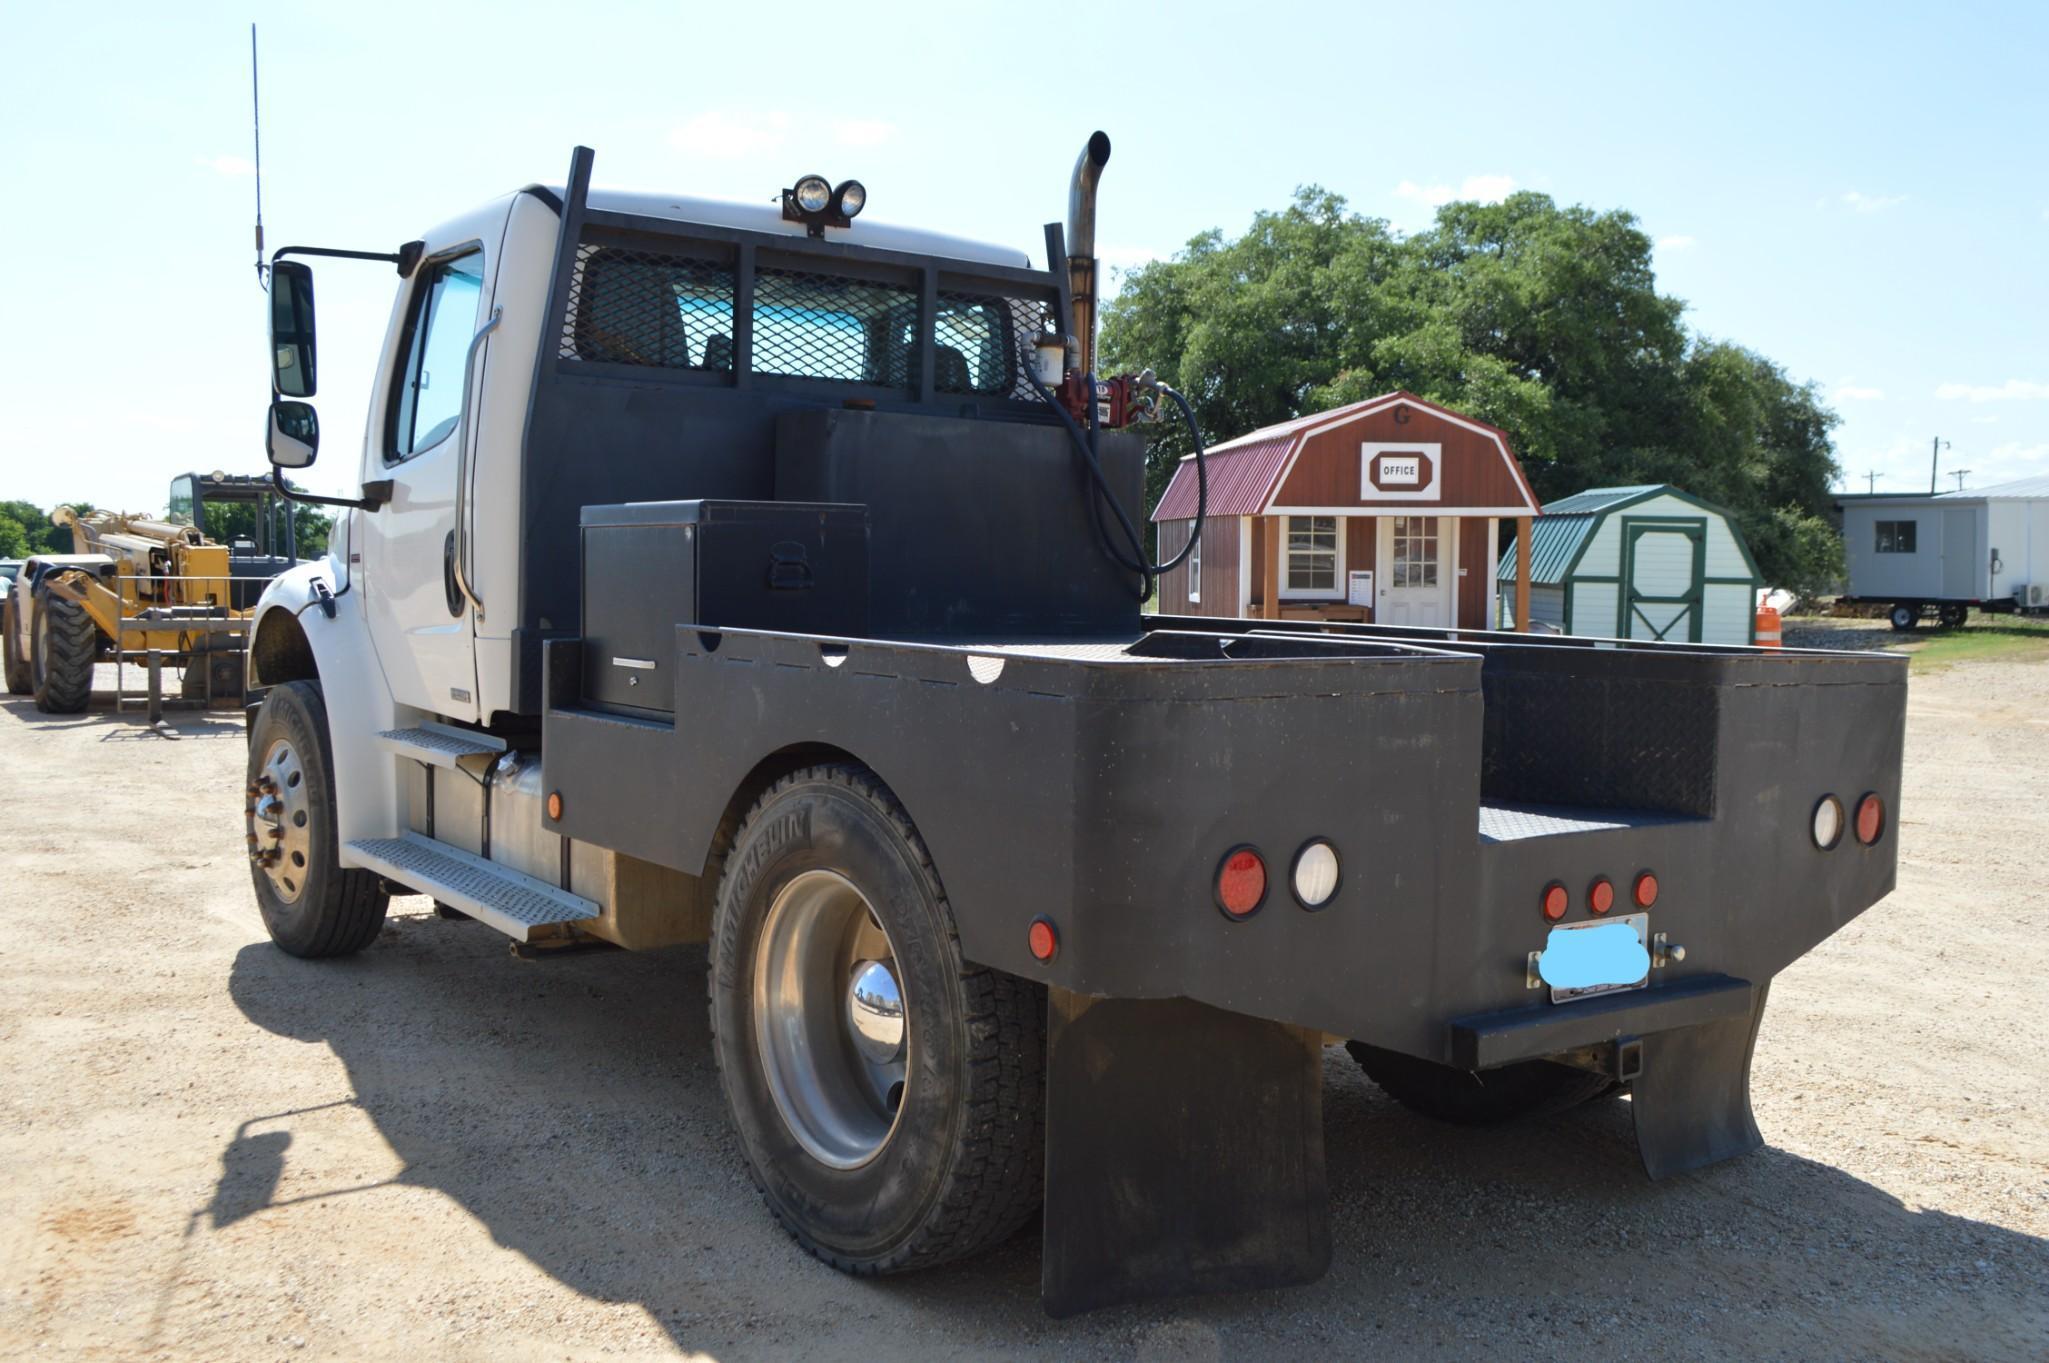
column 767, row 577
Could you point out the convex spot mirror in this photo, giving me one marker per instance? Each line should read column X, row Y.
column 294, row 434
column 291, row 329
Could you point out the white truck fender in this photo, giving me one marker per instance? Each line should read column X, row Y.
column 338, row 652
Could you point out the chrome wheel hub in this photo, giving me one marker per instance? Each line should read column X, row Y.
column 829, row 1019
column 278, row 817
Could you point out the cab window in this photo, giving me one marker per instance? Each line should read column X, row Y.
column 428, row 393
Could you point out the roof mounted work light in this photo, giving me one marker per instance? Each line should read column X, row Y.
column 814, row 202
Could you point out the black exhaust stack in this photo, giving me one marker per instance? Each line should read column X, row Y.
column 1081, row 246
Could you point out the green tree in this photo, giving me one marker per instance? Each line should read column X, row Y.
column 1545, row 321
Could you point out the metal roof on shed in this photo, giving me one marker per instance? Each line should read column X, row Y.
column 1555, row 542
column 1239, row 480
column 1598, row 499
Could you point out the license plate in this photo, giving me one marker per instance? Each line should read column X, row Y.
column 1600, row 956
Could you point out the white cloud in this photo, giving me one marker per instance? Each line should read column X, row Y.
column 226, row 165
column 1678, row 243
column 731, row 134
column 1872, row 203
column 2013, row 390
column 863, row 132
column 1484, row 189
column 1847, row 391
column 1984, row 421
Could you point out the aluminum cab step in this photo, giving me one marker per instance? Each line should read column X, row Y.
column 439, row 745
column 510, row 901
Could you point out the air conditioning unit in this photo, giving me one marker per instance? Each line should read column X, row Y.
column 2038, row 595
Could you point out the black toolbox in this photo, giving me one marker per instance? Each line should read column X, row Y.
column 794, row 567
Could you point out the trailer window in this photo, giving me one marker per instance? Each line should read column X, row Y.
column 1896, row 537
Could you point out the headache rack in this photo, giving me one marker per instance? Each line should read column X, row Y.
column 677, row 345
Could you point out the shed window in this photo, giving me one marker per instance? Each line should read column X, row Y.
column 1896, row 537
column 1195, row 565
column 1313, row 565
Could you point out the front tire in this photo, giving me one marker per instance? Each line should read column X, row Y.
column 311, row 906
column 1532, row 1088
column 1904, row 617
column 63, row 646
column 888, row 1096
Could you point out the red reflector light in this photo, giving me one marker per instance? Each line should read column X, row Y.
column 1045, row 942
column 1646, row 890
column 1870, row 819
column 1601, row 895
column 1241, row 883
column 1556, row 901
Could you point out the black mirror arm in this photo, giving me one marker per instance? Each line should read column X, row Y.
column 375, row 494
column 403, row 259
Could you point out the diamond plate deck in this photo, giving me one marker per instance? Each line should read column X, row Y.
column 506, row 899
column 436, row 747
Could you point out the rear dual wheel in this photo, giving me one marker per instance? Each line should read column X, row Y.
column 888, row 1096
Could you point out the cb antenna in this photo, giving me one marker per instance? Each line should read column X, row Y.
column 256, row 125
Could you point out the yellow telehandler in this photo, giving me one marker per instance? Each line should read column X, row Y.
column 134, row 585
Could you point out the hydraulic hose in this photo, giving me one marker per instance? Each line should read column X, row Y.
column 1130, row 554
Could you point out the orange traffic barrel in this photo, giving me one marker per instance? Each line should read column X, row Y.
column 1767, row 627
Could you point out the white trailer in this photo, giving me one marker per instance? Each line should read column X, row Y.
column 1950, row 551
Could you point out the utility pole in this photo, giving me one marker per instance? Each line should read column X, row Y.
column 1871, row 483
column 1934, row 460
column 1958, row 474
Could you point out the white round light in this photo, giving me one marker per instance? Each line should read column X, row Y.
column 1316, row 874
column 1828, row 822
column 813, row 193
column 853, row 197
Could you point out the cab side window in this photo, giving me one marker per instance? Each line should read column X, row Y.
column 427, row 398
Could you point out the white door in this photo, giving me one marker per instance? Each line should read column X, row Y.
column 1414, row 556
column 420, row 624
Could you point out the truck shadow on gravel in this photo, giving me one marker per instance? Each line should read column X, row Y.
column 572, row 1107
column 131, row 724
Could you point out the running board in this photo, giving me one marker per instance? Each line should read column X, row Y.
column 510, row 901
column 439, row 745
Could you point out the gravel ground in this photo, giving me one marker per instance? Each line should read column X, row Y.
column 435, row 1151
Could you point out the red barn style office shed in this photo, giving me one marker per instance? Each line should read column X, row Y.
column 1387, row 510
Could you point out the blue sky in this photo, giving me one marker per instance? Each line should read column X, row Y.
column 1858, row 191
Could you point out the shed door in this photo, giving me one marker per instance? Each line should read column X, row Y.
column 1960, row 553
column 1417, row 563
column 1663, row 564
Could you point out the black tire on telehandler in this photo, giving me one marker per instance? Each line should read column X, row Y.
column 222, row 656
column 64, row 645
column 19, row 682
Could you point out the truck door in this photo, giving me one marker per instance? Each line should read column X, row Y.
column 419, row 622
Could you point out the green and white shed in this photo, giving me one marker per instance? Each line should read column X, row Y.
column 1646, row 562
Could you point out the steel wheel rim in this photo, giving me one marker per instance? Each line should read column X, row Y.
column 834, row 1053
column 279, row 816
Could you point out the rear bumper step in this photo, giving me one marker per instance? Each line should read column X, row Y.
column 1485, row 1040
column 512, row 902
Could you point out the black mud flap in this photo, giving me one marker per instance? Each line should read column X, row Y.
column 1184, row 1153
column 1692, row 1101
